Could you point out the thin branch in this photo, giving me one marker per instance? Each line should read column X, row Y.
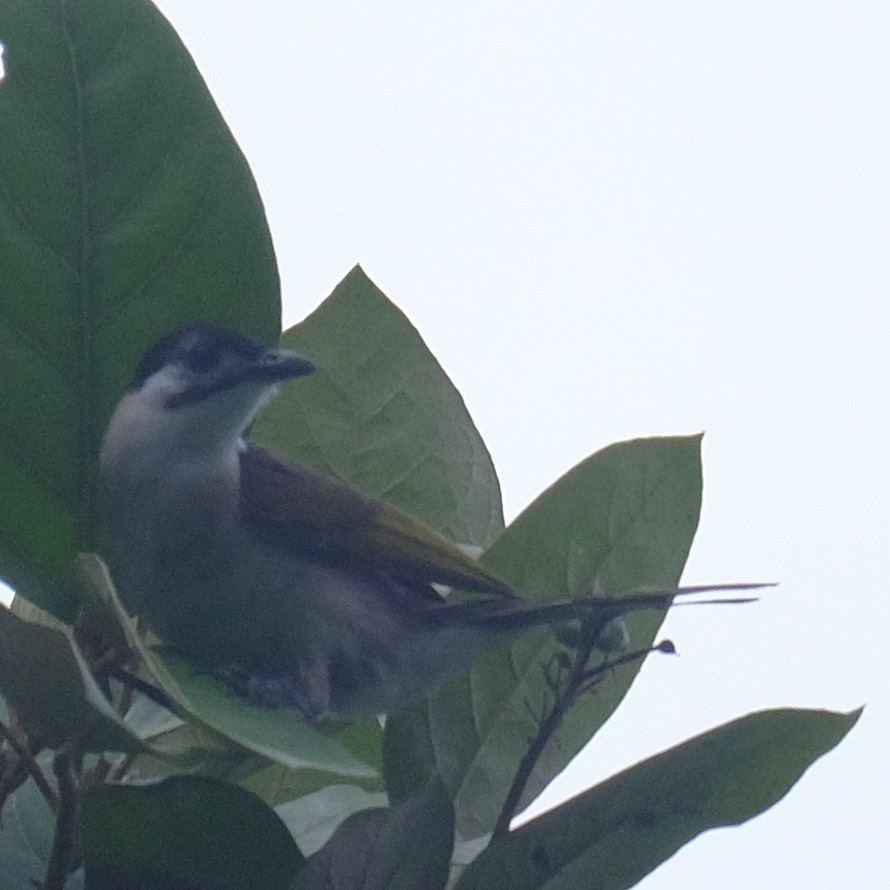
column 60, row 857
column 548, row 725
column 578, row 680
column 131, row 681
column 30, row 764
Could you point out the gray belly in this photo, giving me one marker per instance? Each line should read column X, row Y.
column 305, row 636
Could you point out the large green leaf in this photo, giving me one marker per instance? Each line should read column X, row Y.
column 622, row 519
column 382, row 415
column 126, row 208
column 184, row 832
column 616, row 833
column 406, row 847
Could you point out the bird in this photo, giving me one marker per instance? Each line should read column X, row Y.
column 293, row 589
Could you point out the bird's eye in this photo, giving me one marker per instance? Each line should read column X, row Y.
column 202, row 357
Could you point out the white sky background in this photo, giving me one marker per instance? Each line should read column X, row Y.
column 619, row 219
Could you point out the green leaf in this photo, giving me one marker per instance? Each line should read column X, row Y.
column 616, row 833
column 47, row 683
column 278, row 784
column 26, row 832
column 184, row 832
column 409, row 759
column 191, row 748
column 126, row 208
column 314, row 818
column 382, row 415
column 622, row 519
column 280, row 736
column 401, row 848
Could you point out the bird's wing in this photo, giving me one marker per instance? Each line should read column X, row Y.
column 327, row 520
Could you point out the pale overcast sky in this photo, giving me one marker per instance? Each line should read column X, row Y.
column 619, row 219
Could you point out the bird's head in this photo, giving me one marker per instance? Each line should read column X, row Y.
column 197, row 389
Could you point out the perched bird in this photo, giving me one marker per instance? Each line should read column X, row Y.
column 294, row 589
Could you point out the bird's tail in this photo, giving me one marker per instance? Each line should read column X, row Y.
column 510, row 615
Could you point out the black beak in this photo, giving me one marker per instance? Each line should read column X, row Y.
column 278, row 364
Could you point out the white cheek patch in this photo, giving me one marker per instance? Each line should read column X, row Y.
column 264, row 397
column 160, row 388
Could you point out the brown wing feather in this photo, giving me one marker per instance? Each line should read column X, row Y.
column 332, row 522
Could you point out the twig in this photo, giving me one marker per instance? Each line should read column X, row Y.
column 578, row 681
column 546, row 728
column 30, row 764
column 63, row 841
column 131, row 681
